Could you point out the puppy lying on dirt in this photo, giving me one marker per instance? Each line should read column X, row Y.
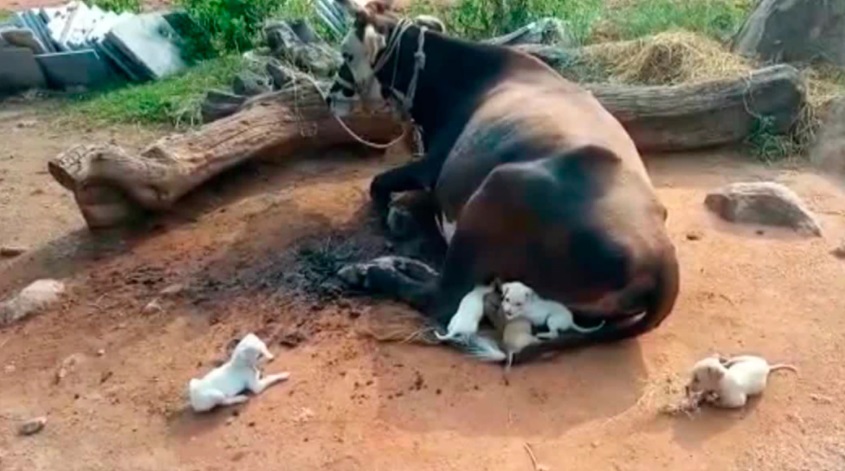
column 225, row 385
column 728, row 383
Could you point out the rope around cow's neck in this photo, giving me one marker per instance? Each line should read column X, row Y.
column 406, row 100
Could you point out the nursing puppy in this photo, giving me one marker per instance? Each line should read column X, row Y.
column 518, row 300
column 730, row 382
column 516, row 335
column 225, row 385
column 464, row 323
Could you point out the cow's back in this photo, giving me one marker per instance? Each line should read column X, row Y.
column 528, row 116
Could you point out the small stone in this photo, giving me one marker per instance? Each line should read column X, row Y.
column 230, row 420
column 765, row 203
column 821, row 399
column 172, row 290
column 101, row 352
column 28, row 123
column 594, row 444
column 839, row 252
column 153, row 307
column 9, row 369
column 32, row 426
column 11, row 251
column 37, row 296
column 694, row 235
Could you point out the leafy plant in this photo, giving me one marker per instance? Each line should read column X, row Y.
column 716, row 18
column 118, row 6
column 230, row 26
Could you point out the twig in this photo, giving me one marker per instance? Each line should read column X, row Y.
column 537, row 466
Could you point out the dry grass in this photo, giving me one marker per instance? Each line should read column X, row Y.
column 667, row 59
column 396, row 325
column 682, row 57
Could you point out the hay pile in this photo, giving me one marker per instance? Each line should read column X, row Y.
column 667, row 59
column 683, row 57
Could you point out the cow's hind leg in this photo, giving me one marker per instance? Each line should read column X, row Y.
column 400, row 278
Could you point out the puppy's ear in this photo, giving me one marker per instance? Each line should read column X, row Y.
column 497, row 285
column 714, row 374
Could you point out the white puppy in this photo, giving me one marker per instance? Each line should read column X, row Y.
column 465, row 322
column 226, row 384
column 730, row 382
column 518, row 300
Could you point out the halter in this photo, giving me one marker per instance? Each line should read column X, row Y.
column 406, row 100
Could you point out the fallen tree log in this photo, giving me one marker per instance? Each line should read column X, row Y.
column 111, row 185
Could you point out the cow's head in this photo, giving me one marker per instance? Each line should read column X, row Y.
column 362, row 48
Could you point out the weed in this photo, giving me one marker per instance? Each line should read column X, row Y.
column 716, row 18
column 119, row 6
column 230, row 26
column 174, row 100
column 481, row 19
column 767, row 144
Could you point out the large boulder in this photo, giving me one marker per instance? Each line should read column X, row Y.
column 765, row 203
column 794, row 31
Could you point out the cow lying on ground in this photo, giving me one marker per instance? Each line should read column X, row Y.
column 534, row 180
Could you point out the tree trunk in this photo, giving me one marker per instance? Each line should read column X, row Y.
column 111, row 185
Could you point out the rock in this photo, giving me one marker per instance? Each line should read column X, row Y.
column 766, row 203
column 219, row 104
column 85, row 68
column 316, row 58
column 250, row 84
column 32, row 426
column 543, row 31
column 794, row 31
column 9, row 369
column 19, row 71
column 153, row 307
column 839, row 252
column 23, row 37
column 694, row 235
column 292, row 338
column 304, row 31
column 172, row 290
column 11, row 251
column 37, row 296
column 278, row 73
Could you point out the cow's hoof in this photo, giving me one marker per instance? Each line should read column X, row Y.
column 387, row 274
column 401, row 223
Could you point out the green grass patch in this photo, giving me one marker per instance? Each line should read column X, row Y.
column 482, row 19
column 5, row 14
column 119, row 6
column 175, row 100
column 719, row 19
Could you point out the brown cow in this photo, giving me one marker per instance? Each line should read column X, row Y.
column 534, row 179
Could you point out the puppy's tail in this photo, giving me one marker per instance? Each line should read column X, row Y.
column 783, row 366
column 481, row 348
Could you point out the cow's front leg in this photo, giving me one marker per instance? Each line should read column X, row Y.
column 458, row 277
column 409, row 177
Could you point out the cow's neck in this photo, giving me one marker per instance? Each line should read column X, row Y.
column 455, row 75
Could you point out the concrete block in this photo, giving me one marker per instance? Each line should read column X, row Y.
column 76, row 68
column 19, row 71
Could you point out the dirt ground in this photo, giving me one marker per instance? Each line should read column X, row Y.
column 355, row 404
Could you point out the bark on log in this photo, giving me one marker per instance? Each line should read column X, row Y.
column 111, row 185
